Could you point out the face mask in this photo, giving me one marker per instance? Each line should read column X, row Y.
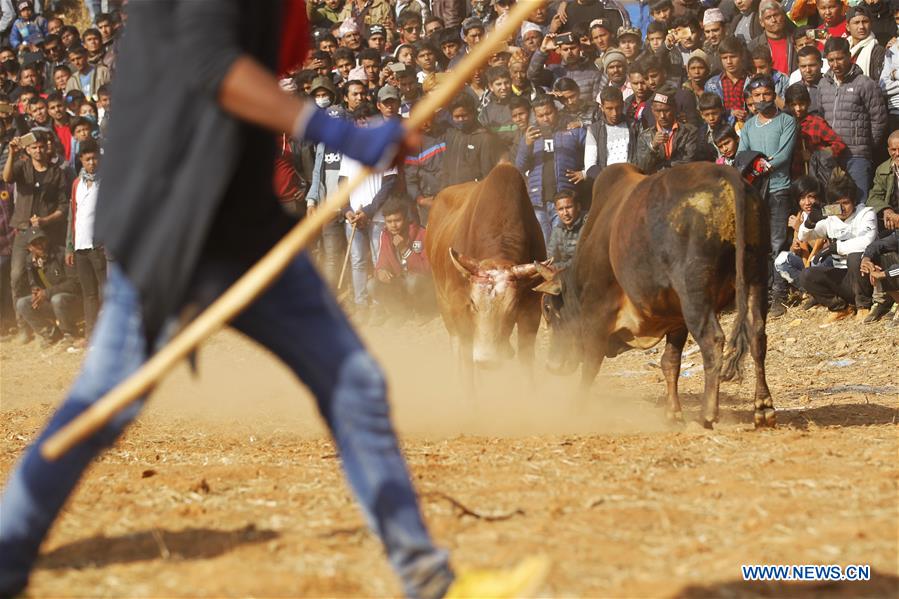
column 323, row 102
column 460, row 125
column 761, row 107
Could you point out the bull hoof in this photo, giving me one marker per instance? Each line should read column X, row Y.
column 770, row 418
column 675, row 417
column 708, row 424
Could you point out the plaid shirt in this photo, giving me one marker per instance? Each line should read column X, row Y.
column 815, row 134
column 733, row 93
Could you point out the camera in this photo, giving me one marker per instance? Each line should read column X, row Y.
column 27, row 139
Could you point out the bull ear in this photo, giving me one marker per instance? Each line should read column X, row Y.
column 550, row 287
column 465, row 265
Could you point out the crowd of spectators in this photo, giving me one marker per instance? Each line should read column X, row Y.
column 811, row 86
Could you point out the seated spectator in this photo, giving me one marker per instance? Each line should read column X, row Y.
column 54, row 292
column 726, row 142
column 808, row 193
column 881, row 264
column 818, row 146
column 611, row 139
column 551, row 158
column 883, row 197
column 669, row 143
column 402, row 283
column 841, row 288
column 567, row 231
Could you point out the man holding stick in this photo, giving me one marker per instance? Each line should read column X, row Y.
column 189, row 170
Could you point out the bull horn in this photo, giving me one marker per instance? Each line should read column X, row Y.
column 526, row 271
column 465, row 265
column 545, row 271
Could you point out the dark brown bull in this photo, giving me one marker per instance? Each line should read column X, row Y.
column 660, row 256
column 483, row 243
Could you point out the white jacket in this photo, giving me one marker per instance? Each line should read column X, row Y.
column 889, row 79
column 852, row 235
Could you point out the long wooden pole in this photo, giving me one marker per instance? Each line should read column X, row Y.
column 262, row 274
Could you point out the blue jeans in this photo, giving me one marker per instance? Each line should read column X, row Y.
column 364, row 252
column 299, row 321
column 548, row 218
column 861, row 171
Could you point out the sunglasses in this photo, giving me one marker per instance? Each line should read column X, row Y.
column 412, row 29
column 757, row 83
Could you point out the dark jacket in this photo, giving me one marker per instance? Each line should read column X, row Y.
column 563, row 242
column 41, row 198
column 452, row 12
column 883, row 191
column 685, row 149
column 583, row 72
column 883, row 26
column 855, row 110
column 497, row 119
column 755, row 26
column 598, row 133
column 469, row 156
column 60, row 277
column 204, row 186
column 568, row 153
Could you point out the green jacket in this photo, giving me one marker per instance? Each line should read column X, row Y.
column 881, row 195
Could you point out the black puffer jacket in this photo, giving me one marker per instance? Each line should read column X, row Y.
column 856, row 110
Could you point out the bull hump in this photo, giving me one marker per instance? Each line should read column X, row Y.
column 717, row 208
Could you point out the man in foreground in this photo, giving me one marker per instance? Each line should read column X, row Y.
column 207, row 150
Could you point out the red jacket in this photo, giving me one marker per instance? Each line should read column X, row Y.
column 416, row 261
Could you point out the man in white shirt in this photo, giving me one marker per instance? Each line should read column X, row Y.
column 88, row 258
column 843, row 285
column 364, row 222
column 610, row 140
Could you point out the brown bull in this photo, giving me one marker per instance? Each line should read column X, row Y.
column 660, row 256
column 483, row 243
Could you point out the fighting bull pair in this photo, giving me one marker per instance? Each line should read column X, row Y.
column 659, row 257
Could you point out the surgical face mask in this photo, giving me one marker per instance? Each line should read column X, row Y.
column 763, row 105
column 323, row 102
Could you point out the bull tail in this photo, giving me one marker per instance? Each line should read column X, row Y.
column 738, row 341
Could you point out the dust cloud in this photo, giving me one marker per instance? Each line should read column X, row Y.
column 239, row 384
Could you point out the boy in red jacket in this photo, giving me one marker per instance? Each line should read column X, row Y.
column 402, row 282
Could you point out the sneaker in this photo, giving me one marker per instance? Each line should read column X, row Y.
column 523, row 580
column 878, row 311
column 777, row 309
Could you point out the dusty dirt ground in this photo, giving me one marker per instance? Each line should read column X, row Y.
column 228, row 486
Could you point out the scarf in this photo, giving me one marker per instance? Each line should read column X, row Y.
column 861, row 55
column 86, row 176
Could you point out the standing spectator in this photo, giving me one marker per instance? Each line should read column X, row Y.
column 730, row 84
column 7, row 236
column 772, row 133
column 843, row 286
column 472, row 33
column 451, row 12
column 424, row 169
column 777, row 36
column 495, row 114
column 366, row 12
column 54, row 291
column 831, row 19
column 698, row 72
column 630, row 42
column 809, row 74
column 470, row 149
column 818, row 146
column 713, row 30
column 889, row 83
column 614, row 74
column 638, row 102
column 863, row 46
column 854, row 106
column 552, row 160
column 585, row 11
column 611, row 139
column 28, row 30
column 669, row 142
column 86, row 78
column 41, row 200
column 762, row 65
column 82, row 250
column 883, row 25
column 574, row 65
column 745, row 25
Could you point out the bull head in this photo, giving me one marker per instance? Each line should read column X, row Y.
column 493, row 295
